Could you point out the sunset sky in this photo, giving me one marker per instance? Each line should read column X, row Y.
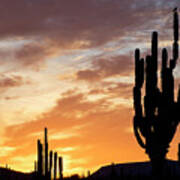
column 68, row 65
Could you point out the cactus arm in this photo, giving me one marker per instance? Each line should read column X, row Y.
column 139, row 79
column 136, row 132
column 175, row 44
column 164, row 70
column 176, row 26
column 176, row 38
column 175, row 55
column 137, row 102
column 154, row 59
column 139, row 69
column 138, row 117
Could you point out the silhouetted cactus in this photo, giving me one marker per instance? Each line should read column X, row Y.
column 45, row 162
column 46, row 152
column 60, row 168
column 158, row 120
column 55, row 165
column 40, row 158
column 50, row 164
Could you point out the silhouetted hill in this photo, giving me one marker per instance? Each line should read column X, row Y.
column 136, row 169
column 8, row 174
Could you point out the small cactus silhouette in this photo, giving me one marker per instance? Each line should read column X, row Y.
column 40, row 158
column 55, row 165
column 46, row 152
column 50, row 164
column 158, row 120
column 60, row 168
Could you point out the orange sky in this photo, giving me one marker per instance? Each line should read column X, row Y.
column 69, row 67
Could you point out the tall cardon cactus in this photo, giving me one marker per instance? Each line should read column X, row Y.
column 155, row 123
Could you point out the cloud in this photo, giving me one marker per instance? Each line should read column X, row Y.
column 79, row 23
column 29, row 54
column 32, row 54
column 74, row 120
column 11, row 81
column 106, row 67
column 113, row 90
column 75, row 25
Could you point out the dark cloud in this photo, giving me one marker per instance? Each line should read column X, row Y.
column 104, row 68
column 55, row 25
column 69, row 21
column 11, row 81
column 33, row 54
